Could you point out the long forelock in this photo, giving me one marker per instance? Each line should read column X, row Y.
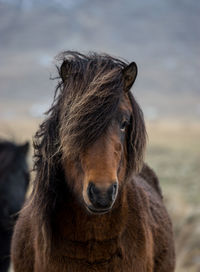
column 91, row 93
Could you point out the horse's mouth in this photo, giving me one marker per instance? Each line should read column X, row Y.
column 97, row 211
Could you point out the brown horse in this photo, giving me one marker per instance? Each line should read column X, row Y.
column 95, row 205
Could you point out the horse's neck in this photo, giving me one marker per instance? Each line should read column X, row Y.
column 86, row 236
column 77, row 224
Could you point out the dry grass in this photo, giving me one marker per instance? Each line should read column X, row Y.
column 174, row 152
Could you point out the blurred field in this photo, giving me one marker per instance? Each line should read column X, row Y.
column 174, row 153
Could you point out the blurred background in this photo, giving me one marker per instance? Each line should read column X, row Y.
column 163, row 37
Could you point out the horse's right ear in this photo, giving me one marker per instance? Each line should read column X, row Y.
column 64, row 70
column 129, row 75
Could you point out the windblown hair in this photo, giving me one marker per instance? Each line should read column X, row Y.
column 85, row 101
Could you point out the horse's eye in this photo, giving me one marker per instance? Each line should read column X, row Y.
column 123, row 126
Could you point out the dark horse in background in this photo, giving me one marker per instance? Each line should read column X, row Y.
column 14, row 180
column 95, row 205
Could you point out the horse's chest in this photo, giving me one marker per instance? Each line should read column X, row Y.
column 71, row 265
column 88, row 256
column 89, row 251
column 115, row 264
column 104, row 256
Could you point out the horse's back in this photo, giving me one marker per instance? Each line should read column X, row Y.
column 151, row 178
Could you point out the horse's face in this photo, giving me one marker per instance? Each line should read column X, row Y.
column 104, row 163
column 100, row 170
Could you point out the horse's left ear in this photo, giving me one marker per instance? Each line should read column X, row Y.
column 64, row 70
column 129, row 75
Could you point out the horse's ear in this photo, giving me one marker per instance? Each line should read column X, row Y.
column 64, row 70
column 24, row 148
column 129, row 75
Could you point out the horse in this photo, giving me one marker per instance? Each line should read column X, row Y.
column 14, row 180
column 95, row 204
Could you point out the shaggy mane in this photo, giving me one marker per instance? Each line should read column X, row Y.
column 85, row 101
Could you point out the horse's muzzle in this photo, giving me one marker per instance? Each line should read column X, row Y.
column 101, row 197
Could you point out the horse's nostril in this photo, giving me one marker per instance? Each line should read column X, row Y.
column 101, row 197
column 115, row 187
column 112, row 191
column 93, row 191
